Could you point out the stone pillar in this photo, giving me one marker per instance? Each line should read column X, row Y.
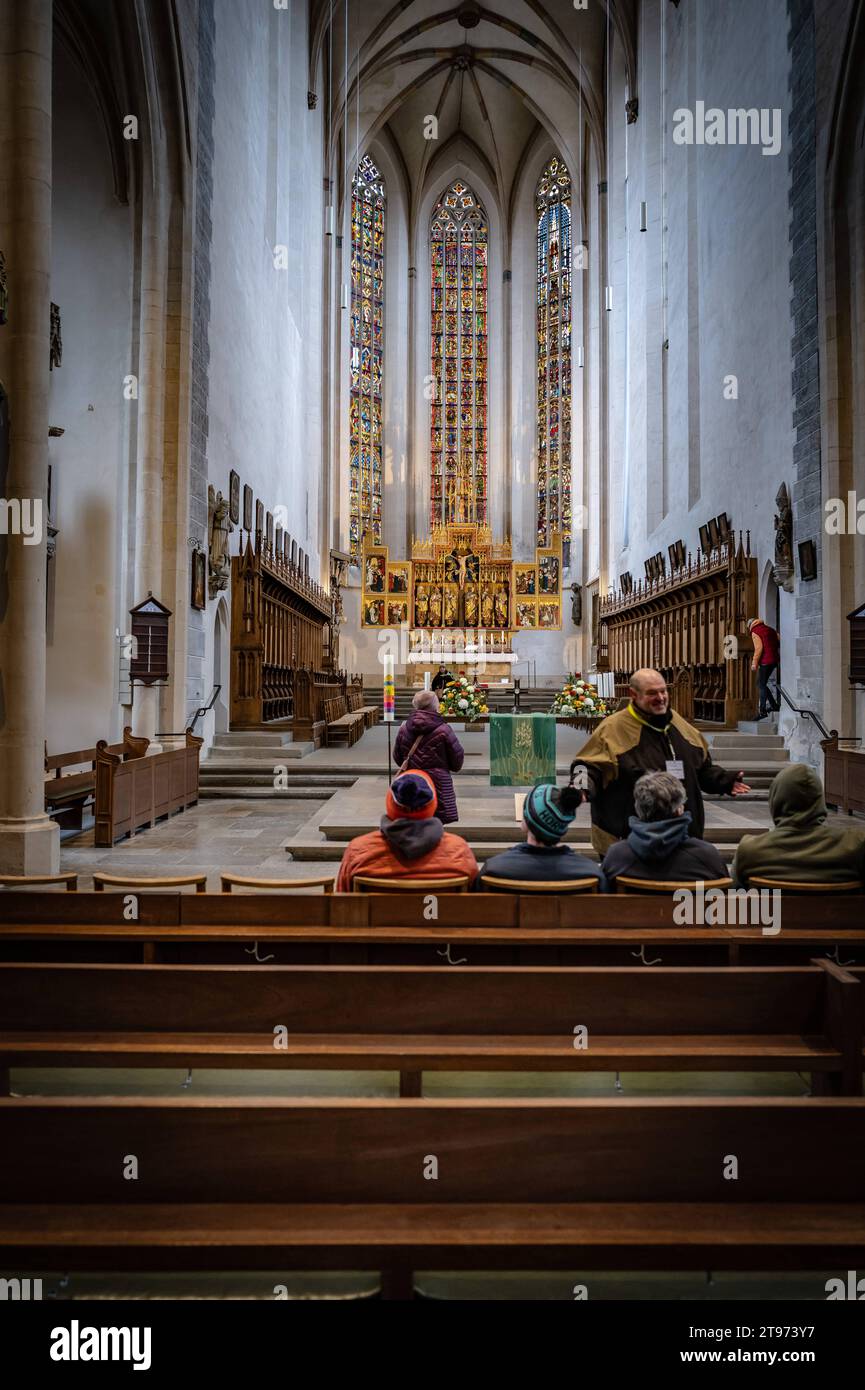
column 29, row 840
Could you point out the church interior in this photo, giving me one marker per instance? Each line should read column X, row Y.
column 446, row 415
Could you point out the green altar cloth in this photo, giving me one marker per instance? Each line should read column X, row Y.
column 522, row 749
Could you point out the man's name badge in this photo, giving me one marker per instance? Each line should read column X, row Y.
column 676, row 768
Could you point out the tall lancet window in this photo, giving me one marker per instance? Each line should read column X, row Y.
column 367, row 354
column 553, row 206
column 458, row 430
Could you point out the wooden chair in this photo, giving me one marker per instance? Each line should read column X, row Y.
column 525, row 885
column 102, row 881
column 853, row 885
column 625, row 884
column 274, row 885
column 35, row 880
column 363, row 883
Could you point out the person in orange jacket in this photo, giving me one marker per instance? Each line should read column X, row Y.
column 410, row 842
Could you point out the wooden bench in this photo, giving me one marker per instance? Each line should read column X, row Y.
column 66, row 796
column 392, row 929
column 447, row 1019
column 345, row 1184
column 344, row 726
column 356, row 706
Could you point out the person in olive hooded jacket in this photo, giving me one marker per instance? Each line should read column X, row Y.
column 802, row 847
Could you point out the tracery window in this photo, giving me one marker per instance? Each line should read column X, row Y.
column 553, row 206
column 458, row 430
column 368, row 206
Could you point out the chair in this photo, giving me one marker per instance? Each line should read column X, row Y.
column 361, row 883
column 624, row 884
column 273, row 885
column 853, row 885
column 103, row 881
column 32, row 880
column 557, row 885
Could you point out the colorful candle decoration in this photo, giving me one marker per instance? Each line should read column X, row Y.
column 389, row 698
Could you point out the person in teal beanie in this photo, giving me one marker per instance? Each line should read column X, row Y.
column 548, row 814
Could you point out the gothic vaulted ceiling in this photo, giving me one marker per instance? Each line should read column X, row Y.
column 493, row 73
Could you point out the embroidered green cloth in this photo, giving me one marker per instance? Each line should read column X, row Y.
column 522, row 749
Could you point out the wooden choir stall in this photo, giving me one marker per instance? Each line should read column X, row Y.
column 282, row 658
column 691, row 625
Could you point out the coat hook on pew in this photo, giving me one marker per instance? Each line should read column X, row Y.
column 833, row 955
column 188, row 1082
column 447, row 956
column 253, row 951
column 641, row 955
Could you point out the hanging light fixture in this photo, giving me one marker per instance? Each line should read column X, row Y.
column 580, row 358
column 644, row 217
column 344, row 300
column 609, row 298
column 328, row 220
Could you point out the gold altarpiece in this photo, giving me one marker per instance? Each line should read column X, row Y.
column 462, row 596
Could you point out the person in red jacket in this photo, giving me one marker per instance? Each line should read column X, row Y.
column 411, row 842
column 767, row 652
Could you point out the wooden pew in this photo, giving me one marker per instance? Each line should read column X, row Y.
column 447, row 1019
column 344, row 726
column 370, row 713
column 475, row 929
column 66, row 796
column 344, row 1184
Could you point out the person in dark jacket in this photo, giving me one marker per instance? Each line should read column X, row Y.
column 441, row 678
column 767, row 654
column 660, row 844
column 647, row 736
column 439, row 751
column 548, row 812
column 802, row 847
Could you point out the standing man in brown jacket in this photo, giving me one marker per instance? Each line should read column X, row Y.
column 647, row 736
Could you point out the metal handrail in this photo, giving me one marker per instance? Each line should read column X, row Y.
column 810, row 714
column 190, row 728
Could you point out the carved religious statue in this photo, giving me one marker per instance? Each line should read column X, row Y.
column 451, row 608
column 435, row 607
column 471, row 605
column 782, row 571
column 421, row 606
column 219, row 528
column 487, row 609
column 577, row 604
column 501, row 605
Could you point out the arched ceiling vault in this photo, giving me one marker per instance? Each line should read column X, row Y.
column 494, row 74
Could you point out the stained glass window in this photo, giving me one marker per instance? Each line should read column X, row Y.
column 458, row 422
column 367, row 354
column 553, row 206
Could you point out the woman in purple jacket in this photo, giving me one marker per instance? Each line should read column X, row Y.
column 439, row 752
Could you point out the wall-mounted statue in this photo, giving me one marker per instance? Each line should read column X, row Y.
column 782, row 571
column 55, row 352
column 576, row 604
column 219, row 528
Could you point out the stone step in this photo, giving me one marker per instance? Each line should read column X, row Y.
column 729, row 736
column 240, row 738
column 506, row 832
column 258, row 776
column 331, row 851
column 255, row 753
column 245, row 792
column 727, row 752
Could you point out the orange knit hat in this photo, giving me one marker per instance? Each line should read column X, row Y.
column 411, row 797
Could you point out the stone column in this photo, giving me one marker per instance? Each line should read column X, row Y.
column 29, row 840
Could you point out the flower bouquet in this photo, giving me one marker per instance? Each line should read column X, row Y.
column 579, row 700
column 463, row 699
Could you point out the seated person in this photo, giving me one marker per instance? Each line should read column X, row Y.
column 659, row 845
column 547, row 814
column 411, row 842
column 802, row 847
